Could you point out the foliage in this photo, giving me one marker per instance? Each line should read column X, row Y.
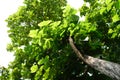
column 4, row 73
column 39, row 32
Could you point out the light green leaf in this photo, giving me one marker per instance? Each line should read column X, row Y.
column 47, row 43
column 115, row 18
column 46, row 74
column 114, row 35
column 34, row 68
column 44, row 23
column 55, row 23
column 33, row 33
column 118, row 27
column 109, row 6
column 108, row 1
column 61, row 34
column 41, row 69
column 92, row 28
column 110, row 31
column 48, row 69
column 102, row 10
column 41, row 61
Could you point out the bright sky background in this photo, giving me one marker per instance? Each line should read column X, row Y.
column 8, row 7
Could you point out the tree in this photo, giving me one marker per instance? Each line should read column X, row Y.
column 4, row 73
column 20, row 23
column 108, row 68
column 40, row 34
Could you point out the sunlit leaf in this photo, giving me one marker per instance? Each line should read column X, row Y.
column 110, row 31
column 55, row 23
column 41, row 69
column 102, row 10
column 46, row 74
column 114, row 35
column 41, row 61
column 115, row 18
column 33, row 33
column 109, row 6
column 44, row 23
column 108, row 1
column 34, row 68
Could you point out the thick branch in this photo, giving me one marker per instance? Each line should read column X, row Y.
column 108, row 68
column 78, row 53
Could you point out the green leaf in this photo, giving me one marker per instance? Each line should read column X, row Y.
column 110, row 31
column 109, row 6
column 115, row 18
column 43, row 60
column 102, row 10
column 61, row 34
column 118, row 27
column 117, row 4
column 46, row 74
column 33, row 33
column 92, row 29
column 46, row 59
column 41, row 69
column 55, row 23
column 114, row 35
column 44, row 23
column 34, row 68
column 108, row 1
column 47, row 43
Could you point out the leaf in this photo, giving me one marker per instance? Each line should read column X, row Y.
column 47, row 43
column 33, row 33
column 46, row 59
column 109, row 6
column 44, row 23
column 34, row 68
column 41, row 69
column 55, row 23
column 115, row 18
column 114, row 35
column 43, row 60
column 46, row 74
column 110, row 31
column 118, row 27
column 117, row 4
column 92, row 29
column 108, row 1
column 66, row 11
column 102, row 10
column 61, row 34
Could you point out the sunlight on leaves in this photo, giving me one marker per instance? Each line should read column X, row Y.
column 115, row 18
column 34, row 68
column 44, row 23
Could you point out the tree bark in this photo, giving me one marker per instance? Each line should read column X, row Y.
column 108, row 68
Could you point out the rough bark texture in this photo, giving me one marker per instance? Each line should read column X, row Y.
column 108, row 68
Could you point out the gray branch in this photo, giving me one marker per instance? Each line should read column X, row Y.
column 108, row 68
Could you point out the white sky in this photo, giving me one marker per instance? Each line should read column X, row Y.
column 8, row 7
column 75, row 3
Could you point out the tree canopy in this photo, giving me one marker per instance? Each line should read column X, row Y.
column 39, row 33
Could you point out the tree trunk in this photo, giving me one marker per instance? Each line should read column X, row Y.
column 108, row 68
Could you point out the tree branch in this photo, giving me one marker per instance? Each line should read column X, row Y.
column 108, row 68
column 78, row 53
